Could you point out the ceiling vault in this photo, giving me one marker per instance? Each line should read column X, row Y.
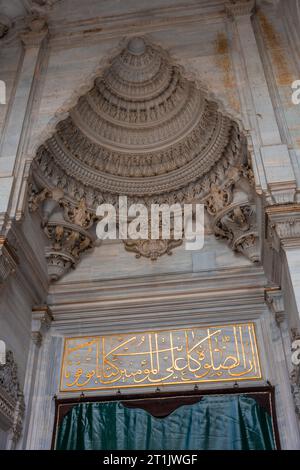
column 146, row 132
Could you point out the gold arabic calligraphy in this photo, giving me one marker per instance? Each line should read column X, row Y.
column 204, row 354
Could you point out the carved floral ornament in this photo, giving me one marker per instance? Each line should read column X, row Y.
column 12, row 406
column 146, row 132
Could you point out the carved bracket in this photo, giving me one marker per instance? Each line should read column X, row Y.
column 234, row 214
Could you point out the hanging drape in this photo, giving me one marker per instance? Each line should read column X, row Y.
column 218, row 422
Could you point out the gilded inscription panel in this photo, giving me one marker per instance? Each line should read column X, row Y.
column 192, row 355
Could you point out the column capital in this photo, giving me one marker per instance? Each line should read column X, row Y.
column 8, row 259
column 274, row 299
column 283, row 226
column 41, row 322
column 36, row 32
column 238, row 8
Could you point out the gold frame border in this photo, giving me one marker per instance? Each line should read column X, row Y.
column 114, row 387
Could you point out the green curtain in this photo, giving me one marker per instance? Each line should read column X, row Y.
column 224, row 422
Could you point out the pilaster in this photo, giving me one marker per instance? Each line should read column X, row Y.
column 283, row 353
column 20, row 108
column 283, row 235
column 41, row 323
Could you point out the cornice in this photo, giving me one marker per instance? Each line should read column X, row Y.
column 134, row 23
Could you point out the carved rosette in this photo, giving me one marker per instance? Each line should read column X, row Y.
column 12, row 406
column 152, row 249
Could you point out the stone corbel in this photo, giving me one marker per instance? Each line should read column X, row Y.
column 8, row 259
column 66, row 226
column 283, row 226
column 70, row 237
column 274, row 299
column 41, row 322
column 236, row 8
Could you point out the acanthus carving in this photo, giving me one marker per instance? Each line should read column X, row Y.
column 79, row 215
column 238, row 225
column 12, row 406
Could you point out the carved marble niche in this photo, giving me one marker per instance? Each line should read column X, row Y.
column 147, row 132
column 12, row 406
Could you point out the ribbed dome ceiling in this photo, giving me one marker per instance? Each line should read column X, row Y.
column 143, row 130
